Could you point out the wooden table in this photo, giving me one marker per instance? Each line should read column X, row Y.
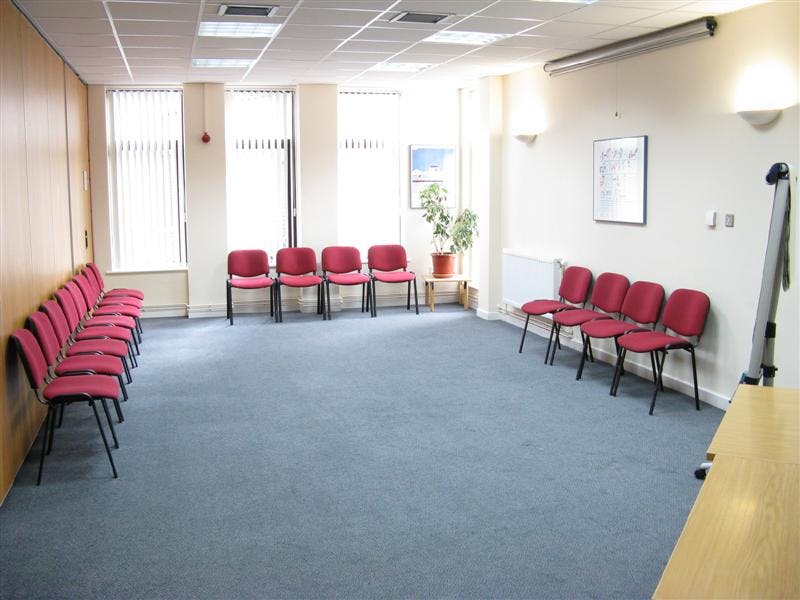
column 463, row 289
column 742, row 537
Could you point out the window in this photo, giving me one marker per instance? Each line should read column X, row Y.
column 369, row 211
column 145, row 154
column 260, row 169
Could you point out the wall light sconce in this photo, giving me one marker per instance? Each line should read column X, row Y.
column 760, row 118
column 526, row 138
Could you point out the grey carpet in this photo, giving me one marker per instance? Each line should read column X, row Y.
column 403, row 456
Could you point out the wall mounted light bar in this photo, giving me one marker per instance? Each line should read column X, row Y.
column 679, row 34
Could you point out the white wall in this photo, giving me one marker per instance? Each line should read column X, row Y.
column 701, row 156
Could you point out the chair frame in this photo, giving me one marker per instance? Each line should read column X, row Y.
column 367, row 301
column 408, row 292
column 229, row 290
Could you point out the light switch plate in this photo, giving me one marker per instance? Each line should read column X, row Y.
column 729, row 220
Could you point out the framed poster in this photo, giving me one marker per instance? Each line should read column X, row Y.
column 620, row 180
column 432, row 164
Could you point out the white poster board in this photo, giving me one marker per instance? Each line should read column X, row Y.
column 620, row 180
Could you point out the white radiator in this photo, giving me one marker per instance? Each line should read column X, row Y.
column 526, row 278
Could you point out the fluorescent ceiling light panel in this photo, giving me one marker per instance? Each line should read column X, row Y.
column 222, row 63
column 399, row 67
column 469, row 38
column 233, row 29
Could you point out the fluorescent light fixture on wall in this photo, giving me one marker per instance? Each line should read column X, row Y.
column 400, row 67
column 679, row 34
column 233, row 29
column 468, row 38
column 222, row 63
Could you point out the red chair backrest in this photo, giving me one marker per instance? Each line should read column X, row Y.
column 58, row 320
column 686, row 312
column 387, row 257
column 97, row 275
column 248, row 263
column 609, row 292
column 296, row 261
column 92, row 279
column 341, row 259
column 643, row 302
column 43, row 330
column 32, row 358
column 575, row 284
column 77, row 299
column 86, row 290
column 70, row 311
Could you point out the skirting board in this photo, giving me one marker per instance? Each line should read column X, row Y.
column 679, row 385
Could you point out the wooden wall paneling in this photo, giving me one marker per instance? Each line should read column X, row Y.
column 78, row 143
column 59, row 171
column 20, row 414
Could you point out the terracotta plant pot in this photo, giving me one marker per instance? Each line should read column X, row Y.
column 444, row 265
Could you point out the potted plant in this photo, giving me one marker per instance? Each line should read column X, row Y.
column 451, row 235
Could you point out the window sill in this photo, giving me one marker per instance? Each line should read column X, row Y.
column 147, row 271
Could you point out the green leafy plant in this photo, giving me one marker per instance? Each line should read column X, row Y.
column 452, row 235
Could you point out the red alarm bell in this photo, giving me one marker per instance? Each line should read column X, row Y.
column 206, row 138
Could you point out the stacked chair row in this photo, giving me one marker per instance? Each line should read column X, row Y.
column 628, row 314
column 77, row 348
column 297, row 268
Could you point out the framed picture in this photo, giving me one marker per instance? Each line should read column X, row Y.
column 432, row 164
column 620, row 180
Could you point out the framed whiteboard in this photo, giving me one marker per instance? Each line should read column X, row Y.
column 620, row 180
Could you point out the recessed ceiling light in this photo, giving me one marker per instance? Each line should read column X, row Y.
column 468, row 38
column 400, row 67
column 417, row 17
column 237, row 30
column 222, row 63
column 243, row 10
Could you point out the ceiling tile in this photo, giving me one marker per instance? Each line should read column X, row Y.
column 281, row 43
column 99, row 62
column 525, row 9
column 392, row 34
column 73, row 39
column 78, row 51
column 294, row 55
column 159, row 63
column 494, row 25
column 157, row 52
column 564, row 29
column 155, row 27
column 623, row 33
column 433, row 59
column 64, row 8
column 609, row 15
column 502, row 52
column 317, row 32
column 156, row 41
column 717, row 7
column 225, row 53
column 526, row 41
column 231, row 43
column 81, row 26
column 154, row 11
column 457, row 7
column 372, row 46
column 378, row 5
column 321, row 16
column 667, row 19
column 441, row 49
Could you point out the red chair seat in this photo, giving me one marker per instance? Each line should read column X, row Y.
column 606, row 328
column 97, row 386
column 111, row 320
column 126, row 300
column 124, row 292
column 117, row 309
column 252, row 283
column 112, row 347
column 300, row 280
column 115, row 333
column 647, row 341
column 570, row 318
column 394, row 276
column 102, row 364
column 543, row 307
column 348, row 278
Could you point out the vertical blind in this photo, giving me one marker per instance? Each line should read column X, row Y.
column 258, row 130
column 369, row 211
column 145, row 153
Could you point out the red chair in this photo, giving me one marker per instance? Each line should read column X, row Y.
column 134, row 293
column 685, row 314
column 64, row 390
column 572, row 293
column 110, row 300
column 607, row 295
column 388, row 263
column 248, row 270
column 341, row 265
column 642, row 306
column 297, row 267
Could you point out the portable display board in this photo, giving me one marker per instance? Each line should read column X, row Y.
column 620, row 180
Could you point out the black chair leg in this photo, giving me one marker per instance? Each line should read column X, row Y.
column 229, row 300
column 61, row 414
column 579, row 374
column 524, row 331
column 52, row 432
column 374, row 300
column 110, row 422
column 591, row 354
column 617, row 372
column 122, row 388
column 136, row 345
column 694, row 375
column 371, row 301
column 659, row 382
column 362, row 297
column 416, row 298
column 408, row 297
column 103, row 435
column 271, row 302
column 550, row 342
column 118, row 409
column 328, row 298
column 555, row 346
column 45, row 434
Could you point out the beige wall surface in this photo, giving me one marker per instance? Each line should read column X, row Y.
column 36, row 254
column 702, row 156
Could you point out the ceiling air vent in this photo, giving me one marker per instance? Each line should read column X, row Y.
column 244, row 10
column 416, row 17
